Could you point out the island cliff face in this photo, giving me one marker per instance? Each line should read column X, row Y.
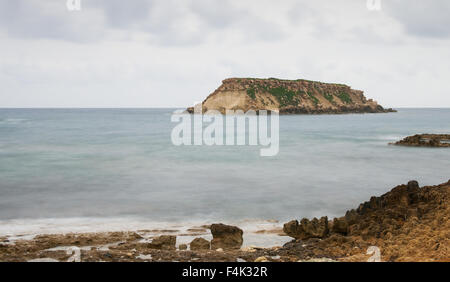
column 288, row 97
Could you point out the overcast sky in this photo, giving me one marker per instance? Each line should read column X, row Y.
column 172, row 53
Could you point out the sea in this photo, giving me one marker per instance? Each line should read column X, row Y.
column 88, row 170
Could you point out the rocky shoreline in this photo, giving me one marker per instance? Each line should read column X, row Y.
column 409, row 223
column 425, row 140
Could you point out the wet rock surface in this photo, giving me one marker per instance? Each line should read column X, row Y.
column 425, row 140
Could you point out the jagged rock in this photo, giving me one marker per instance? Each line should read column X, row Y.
column 182, row 247
column 387, row 212
column 351, row 216
column 408, row 223
column 340, row 226
column 200, row 244
column 307, row 228
column 413, row 185
column 163, row 242
column 226, row 236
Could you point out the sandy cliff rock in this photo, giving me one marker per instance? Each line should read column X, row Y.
column 288, row 97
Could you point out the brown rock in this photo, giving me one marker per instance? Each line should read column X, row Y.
column 307, row 228
column 182, row 247
column 226, row 236
column 425, row 140
column 163, row 242
column 351, row 217
column 261, row 259
column 200, row 244
column 292, row 229
column 340, row 226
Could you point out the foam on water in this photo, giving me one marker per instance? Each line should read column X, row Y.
column 27, row 229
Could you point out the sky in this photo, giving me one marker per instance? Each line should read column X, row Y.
column 173, row 53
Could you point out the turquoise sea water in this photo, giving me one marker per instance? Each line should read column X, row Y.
column 120, row 163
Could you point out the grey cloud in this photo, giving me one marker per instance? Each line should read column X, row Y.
column 123, row 14
column 47, row 19
column 224, row 15
column 220, row 14
column 167, row 22
column 421, row 18
column 191, row 22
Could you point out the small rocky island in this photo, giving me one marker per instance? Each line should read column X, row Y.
column 425, row 140
column 289, row 97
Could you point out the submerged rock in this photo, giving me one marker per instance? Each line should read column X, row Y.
column 226, row 237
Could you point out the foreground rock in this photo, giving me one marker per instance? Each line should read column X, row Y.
column 289, row 97
column 200, row 244
column 226, row 237
column 409, row 223
column 164, row 242
column 425, row 140
column 307, row 228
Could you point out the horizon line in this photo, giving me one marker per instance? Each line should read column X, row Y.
column 174, row 107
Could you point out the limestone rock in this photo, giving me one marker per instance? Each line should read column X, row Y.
column 340, row 226
column 163, row 242
column 226, row 237
column 383, row 215
column 200, row 244
column 306, row 229
column 261, row 259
